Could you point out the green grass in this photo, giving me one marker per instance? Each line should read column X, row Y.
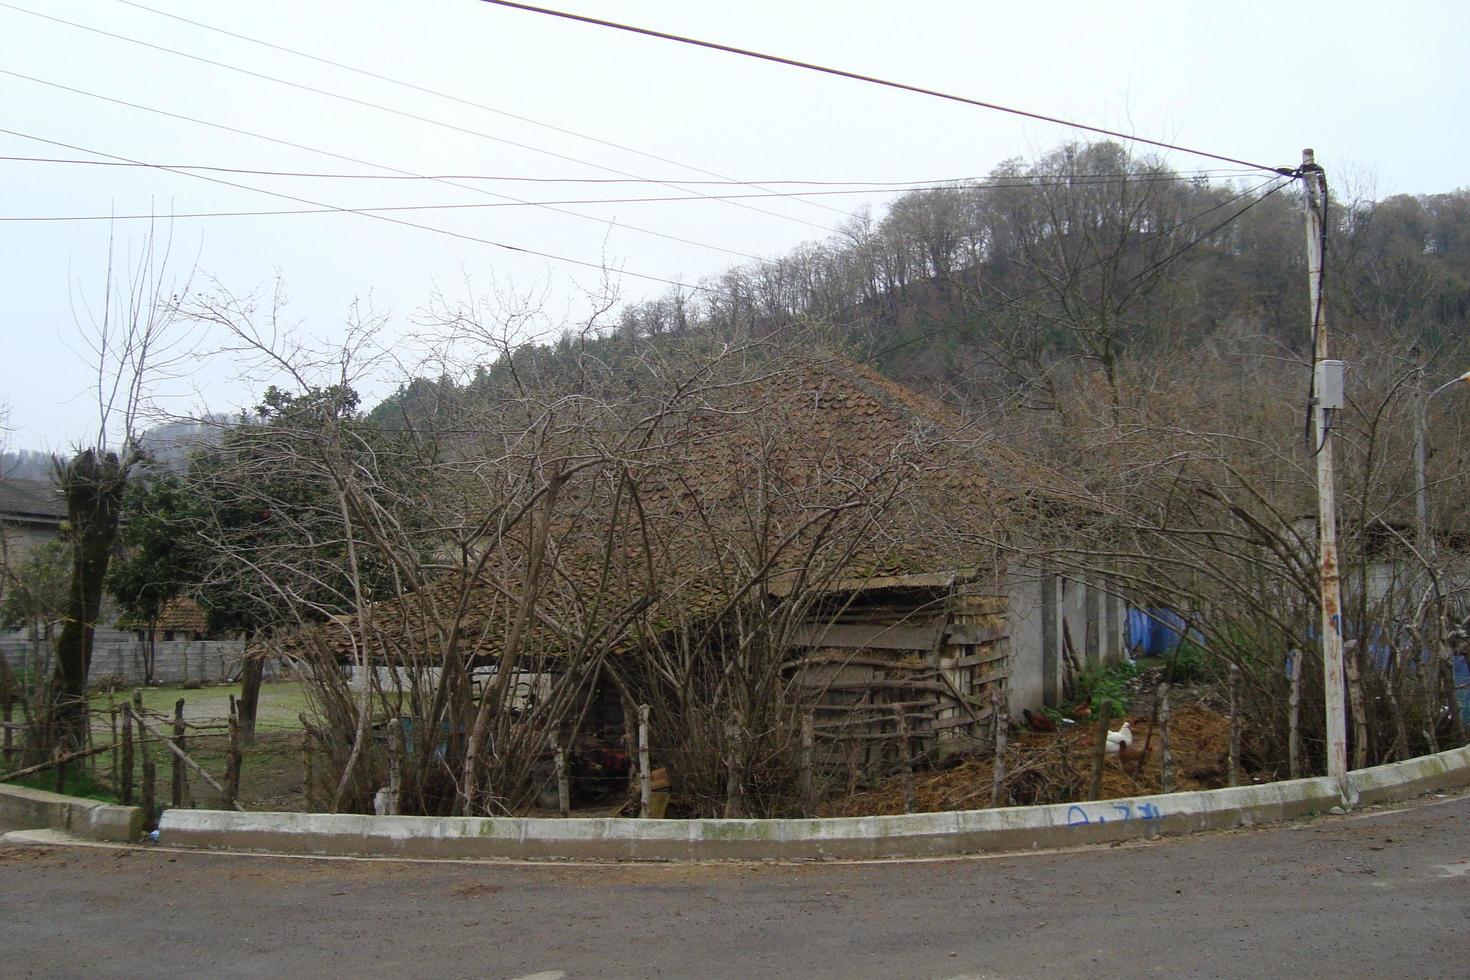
column 79, row 782
column 280, row 703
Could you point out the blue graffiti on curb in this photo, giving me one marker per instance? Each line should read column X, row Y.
column 1122, row 811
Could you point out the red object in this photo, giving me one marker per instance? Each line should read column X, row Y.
column 1037, row 722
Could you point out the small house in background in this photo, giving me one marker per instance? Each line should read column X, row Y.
column 31, row 512
column 181, row 619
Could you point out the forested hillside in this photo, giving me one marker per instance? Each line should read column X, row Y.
column 1089, row 259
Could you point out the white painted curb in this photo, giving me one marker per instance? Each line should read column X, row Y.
column 74, row 815
column 912, row 835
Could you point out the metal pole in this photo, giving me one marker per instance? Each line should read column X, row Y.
column 1314, row 183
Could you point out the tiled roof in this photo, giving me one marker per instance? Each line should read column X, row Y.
column 781, row 447
column 182, row 615
column 31, row 500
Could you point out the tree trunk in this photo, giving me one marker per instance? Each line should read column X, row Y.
column 251, row 673
column 93, row 486
column 150, row 651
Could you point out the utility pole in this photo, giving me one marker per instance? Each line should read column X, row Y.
column 1327, row 376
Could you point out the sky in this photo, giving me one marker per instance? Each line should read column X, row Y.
column 1368, row 85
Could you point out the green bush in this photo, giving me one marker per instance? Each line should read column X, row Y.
column 1106, row 685
column 1190, row 665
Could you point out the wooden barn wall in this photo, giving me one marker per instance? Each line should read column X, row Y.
column 897, row 674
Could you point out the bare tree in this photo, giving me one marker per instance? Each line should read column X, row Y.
column 132, row 339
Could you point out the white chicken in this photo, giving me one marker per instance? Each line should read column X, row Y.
column 1120, row 740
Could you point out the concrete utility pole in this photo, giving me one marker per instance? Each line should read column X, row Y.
column 1327, row 376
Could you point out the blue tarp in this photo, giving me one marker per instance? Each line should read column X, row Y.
column 1462, row 686
column 1158, row 632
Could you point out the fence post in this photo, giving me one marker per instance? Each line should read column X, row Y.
column 177, row 783
column 308, row 799
column 906, row 760
column 1001, row 719
column 1234, row 776
column 645, row 778
column 112, row 725
column 6, row 697
column 395, row 763
column 1293, row 716
column 808, row 765
column 1166, row 761
column 150, row 786
column 734, row 789
column 125, row 791
column 149, row 793
column 1100, row 750
column 232, row 760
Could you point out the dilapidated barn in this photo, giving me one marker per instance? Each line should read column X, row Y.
column 810, row 548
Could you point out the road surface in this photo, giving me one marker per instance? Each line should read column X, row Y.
column 1379, row 894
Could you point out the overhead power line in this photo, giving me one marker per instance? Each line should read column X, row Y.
column 366, row 163
column 368, row 73
column 379, row 217
column 353, row 100
column 874, row 80
column 462, row 206
column 877, row 186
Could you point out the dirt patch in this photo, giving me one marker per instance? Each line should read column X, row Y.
column 1057, row 768
column 474, row 889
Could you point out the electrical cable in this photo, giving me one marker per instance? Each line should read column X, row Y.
column 454, row 99
column 451, row 98
column 874, row 80
column 366, row 163
column 356, row 101
column 878, row 186
column 461, row 206
column 381, row 217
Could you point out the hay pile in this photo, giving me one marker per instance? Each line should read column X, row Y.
column 1057, row 768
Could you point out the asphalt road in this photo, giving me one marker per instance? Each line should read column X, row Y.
column 1382, row 894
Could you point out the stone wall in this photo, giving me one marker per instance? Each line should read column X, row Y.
column 121, row 657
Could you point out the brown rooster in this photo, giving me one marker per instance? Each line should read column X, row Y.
column 1038, row 722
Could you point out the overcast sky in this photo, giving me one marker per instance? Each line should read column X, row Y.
column 1376, row 88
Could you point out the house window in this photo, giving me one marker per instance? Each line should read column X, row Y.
column 168, row 635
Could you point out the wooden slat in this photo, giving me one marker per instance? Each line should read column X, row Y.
column 879, row 682
column 852, row 708
column 994, row 675
column 850, row 724
column 974, row 661
column 961, row 633
column 875, row 637
column 959, row 720
column 844, row 660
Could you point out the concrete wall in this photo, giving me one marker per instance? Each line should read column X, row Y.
column 122, row 657
column 37, row 809
column 1032, row 647
column 1044, row 607
column 913, row 835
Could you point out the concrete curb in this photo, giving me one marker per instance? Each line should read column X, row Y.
column 83, row 818
column 913, row 835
